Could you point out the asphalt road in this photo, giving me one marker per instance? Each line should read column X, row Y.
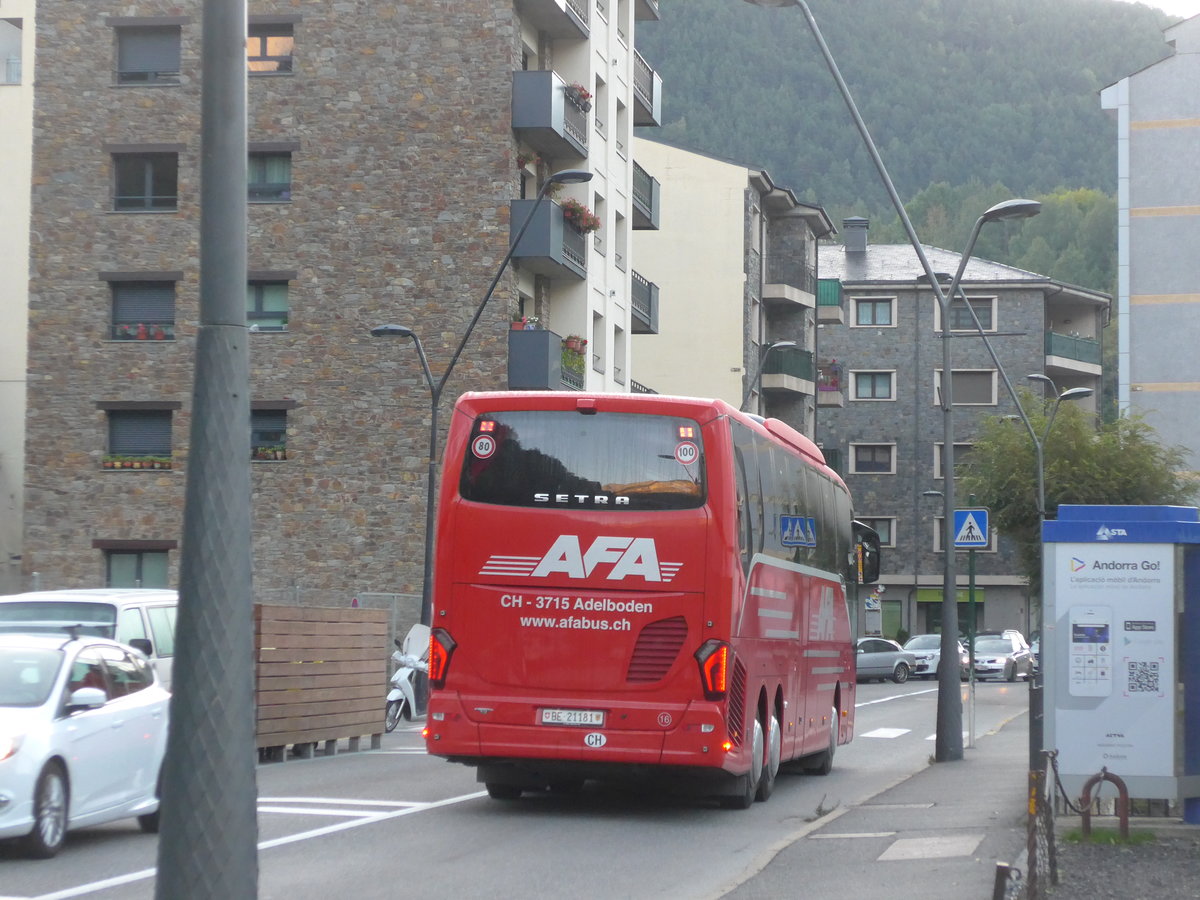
column 378, row 824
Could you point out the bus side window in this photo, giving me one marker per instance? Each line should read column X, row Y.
column 745, row 538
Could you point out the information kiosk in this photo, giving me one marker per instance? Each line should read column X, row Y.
column 1121, row 648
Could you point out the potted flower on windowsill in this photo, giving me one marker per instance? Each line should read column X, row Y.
column 525, row 323
column 575, row 343
column 580, row 216
column 579, row 95
column 572, row 360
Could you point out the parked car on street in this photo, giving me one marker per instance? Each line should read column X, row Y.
column 141, row 617
column 1004, row 656
column 927, row 648
column 83, row 731
column 881, row 658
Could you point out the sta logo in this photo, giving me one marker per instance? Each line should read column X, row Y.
column 616, row 557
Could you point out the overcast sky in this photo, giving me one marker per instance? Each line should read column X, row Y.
column 1174, row 7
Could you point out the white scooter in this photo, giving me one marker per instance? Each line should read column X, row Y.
column 410, row 658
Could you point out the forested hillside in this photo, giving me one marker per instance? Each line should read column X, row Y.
column 955, row 92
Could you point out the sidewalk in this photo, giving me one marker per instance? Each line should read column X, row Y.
column 935, row 836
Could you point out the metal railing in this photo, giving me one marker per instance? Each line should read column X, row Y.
column 1070, row 346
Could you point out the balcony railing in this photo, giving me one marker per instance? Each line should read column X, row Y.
column 545, row 118
column 798, row 275
column 551, row 245
column 1070, row 346
column 829, row 301
column 793, row 362
column 647, row 93
column 645, row 199
column 829, row 377
column 643, row 296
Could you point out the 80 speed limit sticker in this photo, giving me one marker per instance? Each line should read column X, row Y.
column 483, row 446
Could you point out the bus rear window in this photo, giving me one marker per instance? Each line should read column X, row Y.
column 563, row 459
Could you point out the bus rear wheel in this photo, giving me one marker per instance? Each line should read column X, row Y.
column 773, row 750
column 500, row 791
column 822, row 763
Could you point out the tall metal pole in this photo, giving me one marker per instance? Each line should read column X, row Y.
column 208, row 847
column 948, row 744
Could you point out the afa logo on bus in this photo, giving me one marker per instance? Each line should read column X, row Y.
column 618, row 557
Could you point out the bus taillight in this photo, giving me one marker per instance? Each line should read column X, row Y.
column 441, row 648
column 713, row 657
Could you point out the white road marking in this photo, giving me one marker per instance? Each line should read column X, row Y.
column 886, row 733
column 896, row 697
column 861, row 834
column 97, row 886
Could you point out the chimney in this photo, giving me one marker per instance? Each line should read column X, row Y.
column 855, row 229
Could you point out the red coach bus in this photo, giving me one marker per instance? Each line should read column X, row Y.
column 639, row 585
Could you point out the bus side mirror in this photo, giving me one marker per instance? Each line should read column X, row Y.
column 866, row 552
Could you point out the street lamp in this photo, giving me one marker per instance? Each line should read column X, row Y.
column 567, row 176
column 762, row 361
column 1036, row 698
column 948, row 744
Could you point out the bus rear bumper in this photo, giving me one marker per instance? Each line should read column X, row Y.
column 688, row 739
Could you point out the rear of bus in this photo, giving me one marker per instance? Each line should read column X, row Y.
column 583, row 575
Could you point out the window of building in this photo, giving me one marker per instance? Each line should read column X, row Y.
column 267, row 305
column 148, row 55
column 885, row 528
column 872, row 385
column 971, row 387
column 143, row 310
column 938, row 526
column 962, row 458
column 268, row 433
column 270, row 177
column 147, row 182
column 135, row 568
column 874, row 311
column 960, row 315
column 872, row 459
column 269, row 48
column 139, row 432
column 11, row 31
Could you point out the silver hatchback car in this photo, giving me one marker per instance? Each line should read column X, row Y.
column 1002, row 656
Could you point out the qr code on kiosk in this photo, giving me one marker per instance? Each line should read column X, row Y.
column 1142, row 676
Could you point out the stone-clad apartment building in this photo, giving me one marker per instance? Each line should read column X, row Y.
column 388, row 142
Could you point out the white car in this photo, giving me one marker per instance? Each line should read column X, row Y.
column 83, row 732
column 141, row 617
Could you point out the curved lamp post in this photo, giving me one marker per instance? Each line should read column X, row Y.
column 1036, row 698
column 762, row 361
column 948, row 744
column 567, row 176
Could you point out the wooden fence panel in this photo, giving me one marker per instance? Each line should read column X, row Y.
column 321, row 673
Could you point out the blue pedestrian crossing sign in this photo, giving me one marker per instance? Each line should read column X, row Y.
column 971, row 528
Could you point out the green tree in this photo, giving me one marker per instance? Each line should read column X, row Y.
column 1110, row 463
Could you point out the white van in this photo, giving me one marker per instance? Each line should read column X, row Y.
column 141, row 617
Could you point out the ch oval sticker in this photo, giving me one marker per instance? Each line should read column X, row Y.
column 595, row 739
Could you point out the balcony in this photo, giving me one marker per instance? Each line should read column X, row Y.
column 1072, row 353
column 551, row 246
column 647, row 93
column 643, row 296
column 545, row 119
column 645, row 10
column 829, row 385
column 557, row 18
column 534, row 361
column 829, row 302
column 645, row 200
column 789, row 369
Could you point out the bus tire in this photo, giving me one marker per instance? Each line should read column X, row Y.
column 748, row 783
column 774, row 749
column 500, row 791
column 822, row 763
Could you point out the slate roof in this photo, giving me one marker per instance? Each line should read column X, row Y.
column 890, row 263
